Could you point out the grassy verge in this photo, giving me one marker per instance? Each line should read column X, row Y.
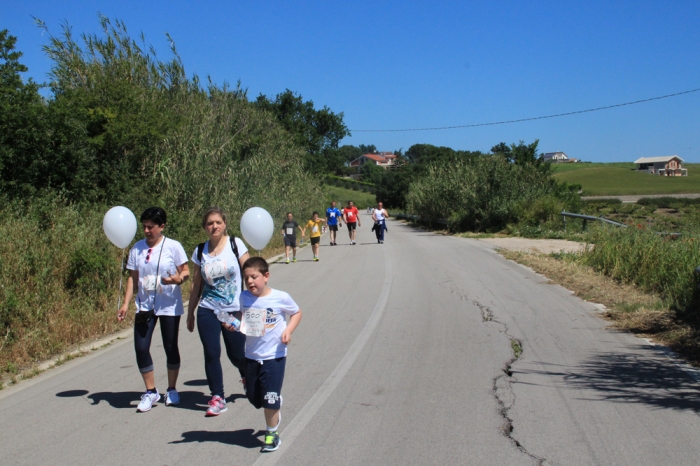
column 628, row 307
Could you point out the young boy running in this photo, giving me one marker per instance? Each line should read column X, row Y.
column 315, row 225
column 266, row 355
column 289, row 232
column 352, row 220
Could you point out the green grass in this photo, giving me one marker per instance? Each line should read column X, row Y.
column 362, row 200
column 617, row 179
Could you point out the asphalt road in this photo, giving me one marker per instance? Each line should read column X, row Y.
column 406, row 354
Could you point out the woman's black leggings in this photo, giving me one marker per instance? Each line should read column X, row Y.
column 143, row 332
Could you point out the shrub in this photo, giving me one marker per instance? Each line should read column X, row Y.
column 656, row 263
column 484, row 193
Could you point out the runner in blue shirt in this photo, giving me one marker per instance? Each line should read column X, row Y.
column 333, row 218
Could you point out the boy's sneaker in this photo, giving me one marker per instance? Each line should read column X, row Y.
column 294, row 260
column 172, row 397
column 272, row 442
column 147, row 401
column 287, row 261
column 217, row 405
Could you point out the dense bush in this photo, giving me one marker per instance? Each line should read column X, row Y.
column 484, row 193
column 667, row 202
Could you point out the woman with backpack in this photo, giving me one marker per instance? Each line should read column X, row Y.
column 216, row 288
column 157, row 267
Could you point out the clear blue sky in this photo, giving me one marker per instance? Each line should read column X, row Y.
column 413, row 64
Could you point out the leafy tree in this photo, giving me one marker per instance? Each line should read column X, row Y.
column 372, row 173
column 22, row 131
column 349, row 153
column 522, row 154
column 368, row 149
column 394, row 185
column 317, row 131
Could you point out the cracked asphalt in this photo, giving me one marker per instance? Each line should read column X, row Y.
column 404, row 356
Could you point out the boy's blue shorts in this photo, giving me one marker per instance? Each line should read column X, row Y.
column 264, row 382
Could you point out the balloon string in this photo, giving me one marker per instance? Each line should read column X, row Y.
column 121, row 278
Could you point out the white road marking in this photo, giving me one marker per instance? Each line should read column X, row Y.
column 304, row 416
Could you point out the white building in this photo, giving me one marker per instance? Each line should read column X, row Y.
column 558, row 157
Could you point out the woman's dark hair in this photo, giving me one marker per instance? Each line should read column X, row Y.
column 213, row 210
column 155, row 215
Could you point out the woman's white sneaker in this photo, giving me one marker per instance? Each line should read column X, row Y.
column 147, row 401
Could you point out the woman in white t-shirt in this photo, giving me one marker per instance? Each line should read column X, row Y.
column 217, row 279
column 379, row 215
column 157, row 267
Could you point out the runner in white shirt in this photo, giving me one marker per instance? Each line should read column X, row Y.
column 157, row 267
column 379, row 215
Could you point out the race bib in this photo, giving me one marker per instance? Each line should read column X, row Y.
column 253, row 322
column 314, row 229
column 150, row 283
column 332, row 214
column 215, row 270
column 290, row 231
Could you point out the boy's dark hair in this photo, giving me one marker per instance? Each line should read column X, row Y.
column 257, row 263
column 314, row 213
column 289, row 213
column 155, row 215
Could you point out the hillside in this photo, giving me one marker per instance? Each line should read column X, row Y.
column 610, row 179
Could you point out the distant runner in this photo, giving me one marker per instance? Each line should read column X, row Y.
column 289, row 232
column 352, row 220
column 315, row 225
column 333, row 216
column 379, row 216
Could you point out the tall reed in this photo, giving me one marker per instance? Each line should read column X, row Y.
column 656, row 263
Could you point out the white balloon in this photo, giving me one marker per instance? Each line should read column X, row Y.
column 120, row 226
column 257, row 227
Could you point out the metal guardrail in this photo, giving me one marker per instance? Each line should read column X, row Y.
column 587, row 218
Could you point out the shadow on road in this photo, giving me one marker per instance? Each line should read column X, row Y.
column 72, row 393
column 195, row 401
column 196, row 383
column 641, row 376
column 246, row 438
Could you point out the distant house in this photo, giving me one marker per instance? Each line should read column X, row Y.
column 558, row 157
column 381, row 159
column 669, row 165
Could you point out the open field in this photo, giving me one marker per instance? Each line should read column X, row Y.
column 611, row 179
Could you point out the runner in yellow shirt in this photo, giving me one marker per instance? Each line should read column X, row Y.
column 315, row 225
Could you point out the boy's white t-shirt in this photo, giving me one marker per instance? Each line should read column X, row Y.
column 278, row 305
column 221, row 277
column 167, row 299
